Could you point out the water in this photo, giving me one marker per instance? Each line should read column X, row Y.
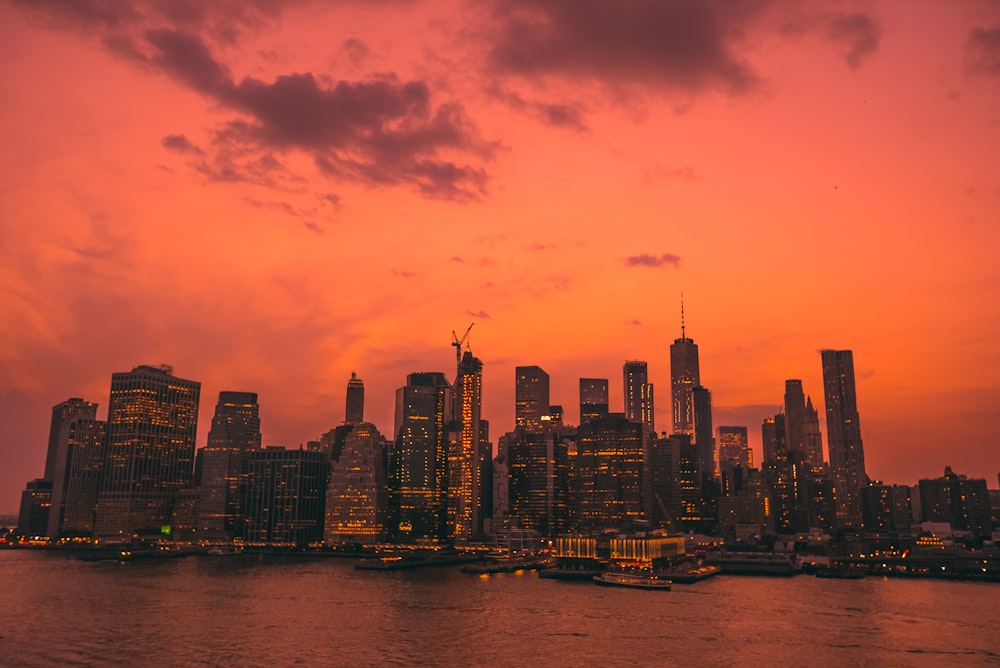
column 247, row 611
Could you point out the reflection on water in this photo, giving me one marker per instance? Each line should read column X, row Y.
column 250, row 611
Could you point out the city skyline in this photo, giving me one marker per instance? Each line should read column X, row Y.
column 270, row 198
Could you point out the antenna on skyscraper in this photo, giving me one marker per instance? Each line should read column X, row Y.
column 682, row 316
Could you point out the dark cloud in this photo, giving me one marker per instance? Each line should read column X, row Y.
column 644, row 260
column 482, row 315
column 858, row 37
column 633, row 322
column 982, row 51
column 380, row 131
column 181, row 144
column 684, row 44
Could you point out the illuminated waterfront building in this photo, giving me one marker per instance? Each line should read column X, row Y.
column 961, row 501
column 531, row 397
column 464, row 518
column 886, row 508
column 149, row 458
column 609, row 465
column 638, row 395
column 36, row 502
column 593, row 399
column 357, row 496
column 847, row 455
column 59, row 457
column 418, row 459
column 286, row 492
column 235, row 433
column 355, row 410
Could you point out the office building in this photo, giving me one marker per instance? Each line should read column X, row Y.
column 638, row 395
column 531, row 397
column 149, row 458
column 847, row 455
column 286, row 492
column 357, row 496
column 355, row 409
column 464, row 518
column 87, row 441
column 539, row 494
column 58, row 457
column 234, row 435
column 418, row 460
column 609, row 464
column 684, row 377
column 593, row 399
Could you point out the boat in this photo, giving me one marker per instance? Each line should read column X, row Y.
column 633, row 580
column 224, row 551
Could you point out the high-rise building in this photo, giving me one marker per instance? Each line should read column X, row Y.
column 235, row 433
column 149, row 459
column 418, row 460
column 813, row 438
column 609, row 465
column 464, row 457
column 58, row 458
column 734, row 448
column 355, row 411
column 531, row 397
column 701, row 399
column 684, row 377
column 593, row 399
column 538, row 494
column 286, row 492
column 795, row 416
column 961, row 501
column 638, row 394
column 86, row 461
column 356, row 498
column 843, row 427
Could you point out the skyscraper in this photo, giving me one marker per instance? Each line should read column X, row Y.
column 734, row 449
column 286, row 492
column 235, row 433
column 356, row 503
column 355, row 411
column 531, row 397
column 795, row 416
column 58, row 458
column 638, row 394
column 701, row 399
column 593, row 399
column 464, row 473
column 609, row 473
column 843, row 428
column 152, row 425
column 418, row 460
column 684, row 377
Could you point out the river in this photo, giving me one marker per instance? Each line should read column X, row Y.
column 253, row 611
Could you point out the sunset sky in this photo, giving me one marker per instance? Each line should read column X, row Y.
column 269, row 195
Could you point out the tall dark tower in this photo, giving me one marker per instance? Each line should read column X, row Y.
column 58, row 459
column 149, row 459
column 684, row 377
column 795, row 417
column 355, row 400
column 638, row 394
column 235, row 433
column 418, row 461
column 701, row 399
column 531, row 397
column 843, row 429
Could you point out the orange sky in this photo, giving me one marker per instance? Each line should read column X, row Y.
column 271, row 195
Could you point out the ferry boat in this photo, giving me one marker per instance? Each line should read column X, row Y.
column 633, row 580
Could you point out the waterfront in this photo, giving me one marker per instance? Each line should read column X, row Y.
column 249, row 611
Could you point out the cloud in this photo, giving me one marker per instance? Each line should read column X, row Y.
column 982, row 51
column 644, row 260
column 181, row 144
column 857, row 35
column 482, row 315
column 682, row 45
column 380, row 131
column 633, row 322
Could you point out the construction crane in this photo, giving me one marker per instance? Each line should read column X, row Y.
column 457, row 342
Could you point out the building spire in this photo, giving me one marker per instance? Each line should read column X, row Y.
column 682, row 317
